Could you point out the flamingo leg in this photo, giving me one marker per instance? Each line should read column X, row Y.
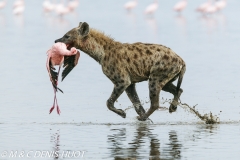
column 58, row 109
column 53, row 101
column 55, row 95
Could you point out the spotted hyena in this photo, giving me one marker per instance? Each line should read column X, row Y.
column 126, row 64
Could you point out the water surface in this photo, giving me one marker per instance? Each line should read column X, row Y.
column 208, row 44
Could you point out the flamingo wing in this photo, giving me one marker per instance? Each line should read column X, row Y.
column 69, row 63
column 52, row 74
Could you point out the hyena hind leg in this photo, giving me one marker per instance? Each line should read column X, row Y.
column 155, row 86
column 171, row 88
column 154, row 91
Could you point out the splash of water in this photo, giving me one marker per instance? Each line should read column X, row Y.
column 207, row 118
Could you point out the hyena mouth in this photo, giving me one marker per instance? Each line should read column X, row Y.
column 69, row 46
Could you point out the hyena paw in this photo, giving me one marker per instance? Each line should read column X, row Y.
column 121, row 113
column 142, row 118
column 172, row 108
column 141, row 111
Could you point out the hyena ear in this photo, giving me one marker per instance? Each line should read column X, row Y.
column 80, row 23
column 83, row 29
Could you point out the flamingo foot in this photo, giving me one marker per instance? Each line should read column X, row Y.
column 51, row 109
column 58, row 110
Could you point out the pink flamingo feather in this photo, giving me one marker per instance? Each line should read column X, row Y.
column 59, row 54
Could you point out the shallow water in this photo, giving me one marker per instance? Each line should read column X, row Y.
column 208, row 44
column 121, row 141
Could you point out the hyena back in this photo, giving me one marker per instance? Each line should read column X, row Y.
column 126, row 64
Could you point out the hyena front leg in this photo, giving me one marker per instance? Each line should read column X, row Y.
column 117, row 91
column 132, row 95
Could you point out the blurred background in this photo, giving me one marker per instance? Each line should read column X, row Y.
column 205, row 33
column 206, row 38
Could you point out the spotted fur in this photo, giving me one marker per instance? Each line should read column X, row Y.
column 126, row 64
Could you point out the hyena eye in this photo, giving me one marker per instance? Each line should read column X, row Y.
column 66, row 36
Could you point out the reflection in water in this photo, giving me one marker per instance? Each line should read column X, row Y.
column 180, row 20
column 122, row 149
column 207, row 130
column 210, row 23
column 62, row 21
column 132, row 17
column 221, row 18
column 2, row 20
column 55, row 139
column 222, row 21
column 153, row 24
column 74, row 14
column 174, row 146
column 49, row 20
column 59, row 24
column 19, row 20
column 200, row 133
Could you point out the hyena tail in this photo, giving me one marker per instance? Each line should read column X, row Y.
column 180, row 77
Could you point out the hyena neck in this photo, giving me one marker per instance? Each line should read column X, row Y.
column 96, row 44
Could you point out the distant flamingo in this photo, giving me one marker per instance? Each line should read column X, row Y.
column 210, row 9
column 59, row 54
column 2, row 4
column 18, row 3
column 73, row 4
column 61, row 9
column 130, row 5
column 48, row 6
column 151, row 8
column 19, row 10
column 180, row 6
column 203, row 6
column 221, row 4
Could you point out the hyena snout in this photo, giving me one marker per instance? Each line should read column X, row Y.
column 64, row 40
column 58, row 40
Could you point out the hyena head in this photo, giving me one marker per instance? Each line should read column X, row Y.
column 76, row 36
